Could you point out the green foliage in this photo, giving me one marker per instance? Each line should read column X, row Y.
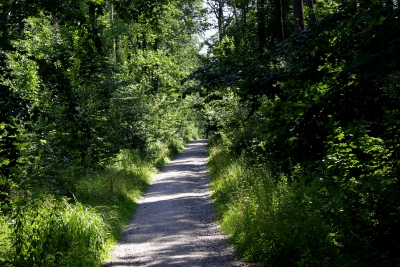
column 88, row 106
column 315, row 120
column 51, row 230
column 270, row 221
column 113, row 191
column 47, row 232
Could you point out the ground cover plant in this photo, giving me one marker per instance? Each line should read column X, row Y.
column 276, row 222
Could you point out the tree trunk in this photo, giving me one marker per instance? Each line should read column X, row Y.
column 298, row 15
column 280, row 33
column 389, row 4
column 220, row 19
column 311, row 12
column 235, row 13
column 55, row 22
column 238, row 26
column 244, row 17
column 155, row 78
column 261, row 29
column 5, row 18
column 113, row 40
column 354, row 5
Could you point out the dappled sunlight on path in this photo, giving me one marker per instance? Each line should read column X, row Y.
column 174, row 224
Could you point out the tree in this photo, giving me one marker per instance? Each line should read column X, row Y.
column 261, row 30
column 298, row 15
column 280, row 32
column 311, row 12
column 217, row 8
column 320, row 110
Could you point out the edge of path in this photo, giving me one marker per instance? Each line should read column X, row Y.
column 175, row 222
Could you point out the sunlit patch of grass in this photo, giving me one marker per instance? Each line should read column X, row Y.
column 5, row 240
column 47, row 229
column 115, row 191
column 160, row 153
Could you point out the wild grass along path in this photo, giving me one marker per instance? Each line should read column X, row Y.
column 174, row 224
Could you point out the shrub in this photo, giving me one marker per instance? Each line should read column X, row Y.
column 50, row 232
column 270, row 221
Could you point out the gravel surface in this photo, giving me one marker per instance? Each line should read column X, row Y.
column 174, row 224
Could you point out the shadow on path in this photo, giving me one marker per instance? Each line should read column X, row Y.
column 174, row 224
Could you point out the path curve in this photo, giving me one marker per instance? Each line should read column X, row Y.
column 174, row 224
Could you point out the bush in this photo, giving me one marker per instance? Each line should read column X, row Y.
column 328, row 217
column 270, row 220
column 50, row 232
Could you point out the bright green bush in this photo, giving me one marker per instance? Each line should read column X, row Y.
column 50, row 232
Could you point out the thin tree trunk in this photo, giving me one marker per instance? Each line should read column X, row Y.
column 238, row 26
column 389, row 4
column 154, row 76
column 113, row 40
column 280, row 33
column 5, row 19
column 298, row 15
column 244, row 17
column 55, row 23
column 311, row 12
column 236, row 15
column 261, row 30
column 220, row 19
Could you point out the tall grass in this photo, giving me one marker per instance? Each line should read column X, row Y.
column 51, row 232
column 114, row 191
column 269, row 220
column 45, row 228
column 5, row 242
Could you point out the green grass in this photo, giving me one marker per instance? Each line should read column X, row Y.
column 47, row 229
column 5, row 242
column 269, row 220
column 115, row 190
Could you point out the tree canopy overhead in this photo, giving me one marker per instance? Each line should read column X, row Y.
column 83, row 79
column 92, row 93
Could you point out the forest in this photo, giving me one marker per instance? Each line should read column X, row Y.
column 299, row 101
column 91, row 106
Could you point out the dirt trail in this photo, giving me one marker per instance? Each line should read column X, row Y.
column 174, row 224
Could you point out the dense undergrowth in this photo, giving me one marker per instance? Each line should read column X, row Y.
column 48, row 229
column 275, row 222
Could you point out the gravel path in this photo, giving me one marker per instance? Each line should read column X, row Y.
column 174, row 224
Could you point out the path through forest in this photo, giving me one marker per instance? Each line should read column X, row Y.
column 174, row 224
